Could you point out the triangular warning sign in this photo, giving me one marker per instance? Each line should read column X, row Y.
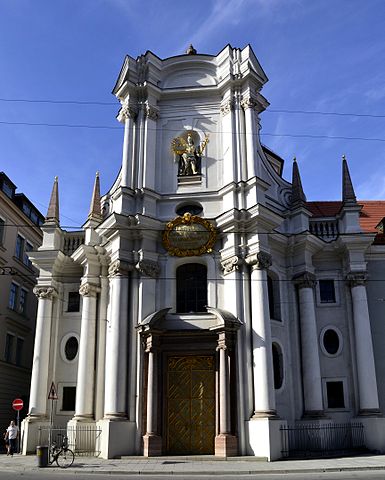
column 52, row 392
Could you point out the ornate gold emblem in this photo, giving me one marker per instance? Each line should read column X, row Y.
column 188, row 236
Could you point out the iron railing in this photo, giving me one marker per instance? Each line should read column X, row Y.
column 83, row 440
column 320, row 440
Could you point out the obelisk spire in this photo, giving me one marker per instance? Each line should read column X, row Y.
column 52, row 216
column 348, row 195
column 95, row 208
column 298, row 198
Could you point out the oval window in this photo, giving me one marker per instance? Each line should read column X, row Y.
column 194, row 209
column 71, row 348
column 331, row 341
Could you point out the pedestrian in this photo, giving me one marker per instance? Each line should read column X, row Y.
column 11, row 437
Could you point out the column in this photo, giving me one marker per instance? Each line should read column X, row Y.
column 115, row 406
column 249, row 106
column 366, row 373
column 313, row 403
column 225, row 443
column 264, row 396
column 152, row 442
column 85, row 386
column 127, row 115
column 41, row 360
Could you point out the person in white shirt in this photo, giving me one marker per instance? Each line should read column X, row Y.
column 10, row 437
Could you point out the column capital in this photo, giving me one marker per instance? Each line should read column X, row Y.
column 259, row 261
column 126, row 112
column 249, row 102
column 227, row 106
column 355, row 279
column 305, row 280
column 89, row 290
column 151, row 112
column 232, row 264
column 149, row 268
column 46, row 293
column 120, row 268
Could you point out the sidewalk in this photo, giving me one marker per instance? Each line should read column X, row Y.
column 195, row 465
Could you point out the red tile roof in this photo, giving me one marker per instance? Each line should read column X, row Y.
column 373, row 211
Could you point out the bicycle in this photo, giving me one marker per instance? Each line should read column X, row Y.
column 63, row 456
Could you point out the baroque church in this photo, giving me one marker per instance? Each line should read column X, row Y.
column 206, row 305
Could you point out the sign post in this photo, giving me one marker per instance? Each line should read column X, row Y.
column 52, row 395
column 17, row 405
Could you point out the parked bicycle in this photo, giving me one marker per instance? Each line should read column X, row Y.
column 61, row 454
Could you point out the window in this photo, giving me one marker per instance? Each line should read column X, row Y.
column 71, row 348
column 2, row 230
column 335, row 394
column 69, row 399
column 26, row 260
column 277, row 366
column 327, row 291
column 194, row 209
column 19, row 350
column 274, row 297
column 8, row 353
column 19, row 251
column 23, row 301
column 13, row 296
column 7, row 189
column 191, row 284
column 73, row 302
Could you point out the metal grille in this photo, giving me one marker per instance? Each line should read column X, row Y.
column 82, row 440
column 319, row 440
column 190, row 405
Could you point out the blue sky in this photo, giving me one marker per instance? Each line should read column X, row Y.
column 319, row 55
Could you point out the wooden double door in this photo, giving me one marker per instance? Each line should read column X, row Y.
column 190, row 404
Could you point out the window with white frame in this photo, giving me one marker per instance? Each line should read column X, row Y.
column 327, row 291
column 22, row 248
column 19, row 249
column 28, row 247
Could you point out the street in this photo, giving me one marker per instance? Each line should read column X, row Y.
column 74, row 473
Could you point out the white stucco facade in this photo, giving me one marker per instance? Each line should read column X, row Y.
column 285, row 331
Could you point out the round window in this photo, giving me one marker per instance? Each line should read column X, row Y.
column 71, row 348
column 194, row 209
column 331, row 341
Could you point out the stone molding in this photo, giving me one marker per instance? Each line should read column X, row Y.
column 148, row 268
column 151, row 112
column 356, row 279
column 232, row 264
column 222, row 343
column 227, row 106
column 120, row 268
column 259, row 261
column 305, row 280
column 45, row 293
column 150, row 344
column 89, row 290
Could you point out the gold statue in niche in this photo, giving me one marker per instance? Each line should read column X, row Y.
column 189, row 155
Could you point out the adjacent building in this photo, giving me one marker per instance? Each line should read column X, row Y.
column 206, row 304
column 20, row 233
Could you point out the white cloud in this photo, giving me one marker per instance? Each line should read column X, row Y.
column 372, row 188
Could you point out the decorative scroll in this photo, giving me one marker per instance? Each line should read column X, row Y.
column 356, row 279
column 305, row 280
column 89, row 290
column 46, row 293
column 120, row 267
column 230, row 265
column 148, row 268
column 261, row 260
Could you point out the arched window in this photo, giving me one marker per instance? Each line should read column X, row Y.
column 191, row 288
column 274, row 297
column 277, row 365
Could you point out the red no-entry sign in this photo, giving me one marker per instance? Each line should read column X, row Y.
column 17, row 404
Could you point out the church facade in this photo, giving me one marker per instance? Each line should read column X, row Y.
column 206, row 304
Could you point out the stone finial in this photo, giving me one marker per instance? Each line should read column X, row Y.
column 95, row 207
column 52, row 216
column 348, row 195
column 191, row 50
column 298, row 198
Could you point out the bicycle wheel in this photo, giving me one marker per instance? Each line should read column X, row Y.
column 65, row 458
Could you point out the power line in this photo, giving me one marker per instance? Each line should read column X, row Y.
column 266, row 134
column 116, row 104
